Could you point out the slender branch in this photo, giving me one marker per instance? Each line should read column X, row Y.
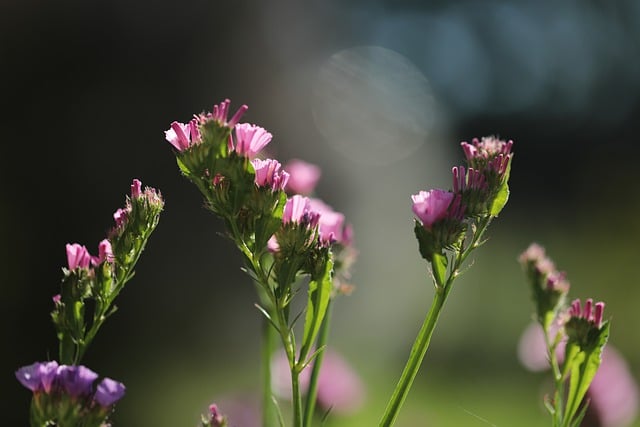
column 312, row 392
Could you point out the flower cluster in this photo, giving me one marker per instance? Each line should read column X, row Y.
column 101, row 278
column 480, row 191
column 67, row 395
column 214, row 418
column 282, row 235
column 574, row 336
column 549, row 286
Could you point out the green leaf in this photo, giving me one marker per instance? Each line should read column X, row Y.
column 183, row 168
column 500, row 200
column 439, row 267
column 317, row 303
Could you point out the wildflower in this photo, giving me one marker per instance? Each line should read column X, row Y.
column 250, row 139
column 268, row 174
column 77, row 256
column 121, row 216
column 108, row 392
column 592, row 313
column 303, row 177
column 472, row 186
column 331, row 224
column 38, row 376
column 220, row 113
column 105, row 253
column 182, row 136
column 136, row 188
column 488, row 152
column 297, row 210
column 432, row 206
column 76, row 381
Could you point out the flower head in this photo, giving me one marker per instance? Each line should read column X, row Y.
column 108, row 392
column 250, row 139
column 38, row 376
column 220, row 112
column 431, row 206
column 303, row 177
column 77, row 256
column 76, row 380
column 105, row 253
column 182, row 136
column 297, row 210
column 488, row 155
column 590, row 312
column 268, row 174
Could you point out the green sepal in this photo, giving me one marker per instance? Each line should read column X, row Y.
column 583, row 366
column 426, row 241
column 502, row 195
column 320, row 288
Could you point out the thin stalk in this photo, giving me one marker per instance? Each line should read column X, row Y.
column 268, row 341
column 312, row 392
column 297, row 399
column 416, row 356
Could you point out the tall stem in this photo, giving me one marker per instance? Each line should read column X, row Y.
column 416, row 356
column 268, row 341
column 312, row 392
column 297, row 399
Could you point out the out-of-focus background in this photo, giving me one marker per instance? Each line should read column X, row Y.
column 379, row 93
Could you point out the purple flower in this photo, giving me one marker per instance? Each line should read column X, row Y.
column 431, row 206
column 38, row 376
column 77, row 256
column 489, row 152
column 303, row 177
column 268, row 174
column 465, row 180
column 108, row 392
column 182, row 136
column 250, row 139
column 76, row 380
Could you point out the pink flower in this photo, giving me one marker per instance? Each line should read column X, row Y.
column 303, row 177
column 297, row 210
column 121, row 216
column 182, row 136
column 431, row 206
column 250, row 139
column 268, row 174
column 77, row 256
column 590, row 312
column 220, row 113
column 105, row 253
column 331, row 224
column 339, row 387
column 136, row 188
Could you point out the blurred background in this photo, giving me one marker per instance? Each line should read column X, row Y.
column 379, row 93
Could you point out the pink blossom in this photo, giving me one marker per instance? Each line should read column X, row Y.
column 470, row 179
column 121, row 216
column 220, row 112
column 303, row 177
column 182, row 136
column 250, row 139
column 297, row 209
column 487, row 147
column 77, row 256
column 105, row 253
column 268, row 174
column 339, row 387
column 331, row 224
column 136, row 188
column 590, row 312
column 431, row 206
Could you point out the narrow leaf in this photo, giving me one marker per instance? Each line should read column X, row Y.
column 317, row 303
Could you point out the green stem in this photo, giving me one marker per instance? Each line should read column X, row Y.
column 416, row 356
column 297, row 399
column 268, row 341
column 312, row 392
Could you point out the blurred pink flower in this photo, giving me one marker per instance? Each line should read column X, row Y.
column 182, row 136
column 303, row 177
column 339, row 387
